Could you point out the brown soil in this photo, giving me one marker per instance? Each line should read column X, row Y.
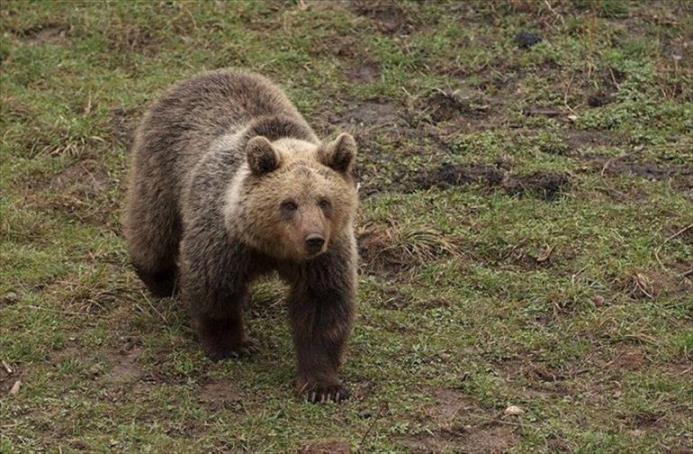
column 126, row 369
column 325, row 447
column 369, row 114
column 217, row 395
column 628, row 358
column 45, row 34
column 460, row 425
column 544, row 185
column 387, row 15
column 448, row 175
column 85, row 179
column 448, row 404
column 578, row 140
column 494, row 439
column 366, row 73
column 650, row 284
column 628, row 165
column 80, row 191
column 448, row 105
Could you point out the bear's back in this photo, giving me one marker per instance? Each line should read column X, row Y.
column 179, row 128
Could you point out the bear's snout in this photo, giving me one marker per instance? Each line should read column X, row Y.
column 314, row 243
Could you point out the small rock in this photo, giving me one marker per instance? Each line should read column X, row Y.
column 365, row 414
column 8, row 299
column 513, row 410
column 15, row 388
column 525, row 40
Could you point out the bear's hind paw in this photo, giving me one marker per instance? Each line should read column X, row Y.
column 245, row 349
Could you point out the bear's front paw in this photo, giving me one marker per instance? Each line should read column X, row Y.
column 243, row 350
column 319, row 393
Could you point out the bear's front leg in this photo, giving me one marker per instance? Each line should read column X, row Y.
column 222, row 333
column 321, row 308
column 214, row 288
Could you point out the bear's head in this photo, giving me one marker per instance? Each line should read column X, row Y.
column 293, row 199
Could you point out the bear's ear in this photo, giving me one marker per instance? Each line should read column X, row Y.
column 261, row 155
column 339, row 155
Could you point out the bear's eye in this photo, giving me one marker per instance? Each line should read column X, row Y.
column 324, row 204
column 288, row 207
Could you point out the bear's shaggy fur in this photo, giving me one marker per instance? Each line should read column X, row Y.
column 228, row 182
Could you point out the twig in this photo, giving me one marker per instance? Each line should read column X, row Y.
column 7, row 367
column 149, row 302
column 383, row 407
column 656, row 252
column 606, row 165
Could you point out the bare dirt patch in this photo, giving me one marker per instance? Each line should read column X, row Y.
column 446, row 105
column 387, row 15
column 631, row 166
column 627, row 358
column 369, row 114
column 126, row 369
column 492, row 439
column 448, row 404
column 80, row 191
column 84, row 179
column 544, row 185
column 218, row 395
column 460, row 424
column 45, row 34
column 346, row 47
column 652, row 284
column 448, row 175
column 363, row 74
column 578, row 140
column 626, row 165
column 325, row 447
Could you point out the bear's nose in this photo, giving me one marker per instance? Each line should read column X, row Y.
column 314, row 243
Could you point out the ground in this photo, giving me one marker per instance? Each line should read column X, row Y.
column 525, row 229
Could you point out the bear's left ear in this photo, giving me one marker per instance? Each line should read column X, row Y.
column 340, row 154
column 262, row 157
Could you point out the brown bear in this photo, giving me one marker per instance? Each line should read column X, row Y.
column 228, row 183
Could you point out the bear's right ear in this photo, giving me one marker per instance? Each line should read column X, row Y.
column 261, row 155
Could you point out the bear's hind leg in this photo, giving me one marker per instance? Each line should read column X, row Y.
column 152, row 229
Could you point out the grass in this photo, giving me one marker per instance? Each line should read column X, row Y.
column 525, row 228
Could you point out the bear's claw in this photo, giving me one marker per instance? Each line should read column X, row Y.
column 323, row 394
